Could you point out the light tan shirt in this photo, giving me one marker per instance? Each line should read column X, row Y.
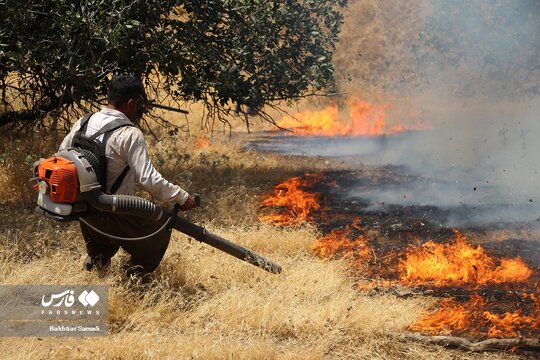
column 126, row 146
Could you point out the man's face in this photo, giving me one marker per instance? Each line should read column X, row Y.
column 140, row 108
column 135, row 109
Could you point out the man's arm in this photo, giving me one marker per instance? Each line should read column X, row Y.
column 136, row 155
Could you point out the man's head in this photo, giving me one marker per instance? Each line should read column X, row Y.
column 126, row 94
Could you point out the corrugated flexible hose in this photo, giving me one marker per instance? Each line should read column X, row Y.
column 136, row 206
column 126, row 205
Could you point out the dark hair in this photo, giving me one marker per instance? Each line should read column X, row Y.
column 123, row 87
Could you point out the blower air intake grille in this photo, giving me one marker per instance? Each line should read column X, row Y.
column 64, row 182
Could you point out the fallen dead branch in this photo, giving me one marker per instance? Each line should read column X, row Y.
column 485, row 345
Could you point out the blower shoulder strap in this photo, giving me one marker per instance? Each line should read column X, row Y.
column 105, row 130
column 109, row 128
column 119, row 180
column 84, row 123
column 113, row 125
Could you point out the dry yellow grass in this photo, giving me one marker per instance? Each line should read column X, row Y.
column 204, row 304
column 201, row 303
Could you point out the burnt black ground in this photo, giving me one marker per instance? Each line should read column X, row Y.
column 393, row 229
column 343, row 196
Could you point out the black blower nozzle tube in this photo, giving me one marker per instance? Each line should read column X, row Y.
column 136, row 206
column 201, row 234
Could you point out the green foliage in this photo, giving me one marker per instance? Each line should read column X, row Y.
column 55, row 54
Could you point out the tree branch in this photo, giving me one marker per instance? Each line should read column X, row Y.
column 485, row 345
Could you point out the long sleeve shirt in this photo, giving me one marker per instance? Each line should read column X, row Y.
column 126, row 146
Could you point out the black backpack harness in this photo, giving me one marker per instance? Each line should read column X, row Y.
column 94, row 149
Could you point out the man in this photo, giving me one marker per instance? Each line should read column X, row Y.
column 125, row 147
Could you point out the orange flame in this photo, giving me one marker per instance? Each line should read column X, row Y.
column 472, row 317
column 338, row 242
column 295, row 203
column 450, row 264
column 365, row 120
column 202, row 142
column 459, row 263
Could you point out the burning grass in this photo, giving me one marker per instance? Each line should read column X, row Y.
column 472, row 317
column 294, row 202
column 342, row 243
column 459, row 263
column 202, row 303
column 364, row 119
column 452, row 269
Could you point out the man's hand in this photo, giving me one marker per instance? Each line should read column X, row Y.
column 189, row 204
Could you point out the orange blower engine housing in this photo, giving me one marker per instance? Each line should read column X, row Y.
column 60, row 175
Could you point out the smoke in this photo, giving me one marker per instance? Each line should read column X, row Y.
column 478, row 165
column 486, row 49
column 481, row 166
column 478, row 62
column 474, row 48
column 481, row 63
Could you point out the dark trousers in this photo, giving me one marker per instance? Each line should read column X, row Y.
column 145, row 253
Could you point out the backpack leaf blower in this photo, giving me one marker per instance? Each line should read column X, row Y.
column 68, row 188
